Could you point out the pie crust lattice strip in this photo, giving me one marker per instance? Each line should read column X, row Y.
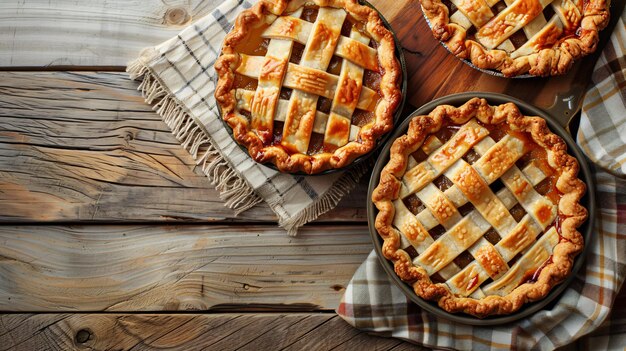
column 308, row 88
column 479, row 208
column 540, row 37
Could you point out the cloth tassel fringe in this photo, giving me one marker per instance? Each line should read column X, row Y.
column 233, row 189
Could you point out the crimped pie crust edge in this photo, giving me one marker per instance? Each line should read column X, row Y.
column 547, row 62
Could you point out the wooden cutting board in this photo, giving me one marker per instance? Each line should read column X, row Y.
column 434, row 72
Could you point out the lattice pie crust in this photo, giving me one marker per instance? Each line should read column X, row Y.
column 479, row 208
column 278, row 111
column 540, row 37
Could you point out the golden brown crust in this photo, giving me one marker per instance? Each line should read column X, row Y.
column 390, row 92
column 546, row 62
column 570, row 213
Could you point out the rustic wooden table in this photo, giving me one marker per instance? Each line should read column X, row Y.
column 111, row 238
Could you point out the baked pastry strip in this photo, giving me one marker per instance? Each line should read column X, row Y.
column 418, row 177
column 289, row 28
column 477, row 191
column 545, row 34
column 451, row 244
column 455, row 195
column 541, row 33
column 509, row 21
column 538, row 31
column 490, row 261
column 478, row 12
column 244, row 101
column 466, row 19
column 317, row 54
column 270, row 82
column 540, row 208
column 412, row 230
column 414, row 234
column 531, row 261
column 439, row 205
column 310, row 80
column 298, row 30
column 347, row 94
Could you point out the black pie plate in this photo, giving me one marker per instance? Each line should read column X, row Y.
column 587, row 201
column 382, row 140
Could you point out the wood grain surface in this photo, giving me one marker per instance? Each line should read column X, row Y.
column 91, row 181
column 220, row 331
column 187, row 267
column 296, row 331
column 41, row 33
column 83, row 146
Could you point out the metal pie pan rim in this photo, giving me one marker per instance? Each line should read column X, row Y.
column 585, row 229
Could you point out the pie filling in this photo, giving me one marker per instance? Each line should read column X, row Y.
column 309, row 81
column 478, row 208
column 519, row 27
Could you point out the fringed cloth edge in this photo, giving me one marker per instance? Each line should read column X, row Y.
column 236, row 193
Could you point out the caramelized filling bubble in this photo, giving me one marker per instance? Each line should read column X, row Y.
column 309, row 13
column 413, row 203
column 361, row 118
column 254, row 44
column 316, row 145
column 436, row 232
column 243, row 82
column 372, row 79
column 492, row 236
column 464, row 259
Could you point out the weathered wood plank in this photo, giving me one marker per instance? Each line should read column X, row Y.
column 342, row 339
column 236, row 331
column 89, row 33
column 185, row 332
column 84, row 147
column 173, row 268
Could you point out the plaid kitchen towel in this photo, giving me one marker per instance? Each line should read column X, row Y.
column 602, row 133
column 179, row 80
column 373, row 303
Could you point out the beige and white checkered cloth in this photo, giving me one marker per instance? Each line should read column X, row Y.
column 179, row 79
column 373, row 303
